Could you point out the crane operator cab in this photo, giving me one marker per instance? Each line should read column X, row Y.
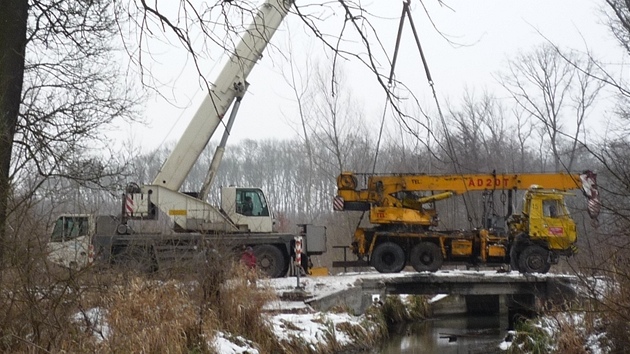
column 550, row 220
column 70, row 243
column 247, row 206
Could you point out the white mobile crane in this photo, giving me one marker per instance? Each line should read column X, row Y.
column 159, row 223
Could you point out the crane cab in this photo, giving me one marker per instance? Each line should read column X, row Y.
column 247, row 206
column 70, row 243
column 549, row 219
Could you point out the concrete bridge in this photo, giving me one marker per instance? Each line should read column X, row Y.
column 470, row 291
column 473, row 283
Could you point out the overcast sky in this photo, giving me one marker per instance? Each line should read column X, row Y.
column 489, row 31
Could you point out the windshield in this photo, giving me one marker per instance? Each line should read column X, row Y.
column 69, row 227
column 251, row 202
column 554, row 208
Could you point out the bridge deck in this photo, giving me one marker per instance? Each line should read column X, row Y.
column 470, row 283
column 358, row 292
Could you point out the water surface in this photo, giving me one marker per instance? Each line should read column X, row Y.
column 448, row 335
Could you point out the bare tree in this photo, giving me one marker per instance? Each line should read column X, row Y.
column 57, row 91
column 618, row 20
column 617, row 15
column 553, row 86
column 524, row 129
column 298, row 81
column 479, row 136
column 14, row 18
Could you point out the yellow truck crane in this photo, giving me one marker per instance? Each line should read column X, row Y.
column 404, row 219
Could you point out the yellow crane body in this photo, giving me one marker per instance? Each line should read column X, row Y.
column 402, row 211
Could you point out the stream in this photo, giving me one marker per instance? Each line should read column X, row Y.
column 448, row 335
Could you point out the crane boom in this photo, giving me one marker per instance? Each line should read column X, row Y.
column 389, row 196
column 226, row 87
column 381, row 186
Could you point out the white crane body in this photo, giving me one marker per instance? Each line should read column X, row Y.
column 161, row 224
column 190, row 213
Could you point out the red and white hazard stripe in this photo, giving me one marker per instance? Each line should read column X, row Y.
column 298, row 250
column 589, row 186
column 128, row 205
column 594, row 207
column 90, row 254
column 338, row 203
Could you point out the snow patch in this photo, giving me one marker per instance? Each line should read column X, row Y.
column 313, row 328
column 93, row 320
column 237, row 345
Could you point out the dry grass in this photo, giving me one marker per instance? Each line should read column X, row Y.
column 394, row 310
column 530, row 338
column 562, row 331
column 570, row 334
column 155, row 318
column 606, row 287
column 239, row 309
column 398, row 310
column 601, row 318
column 418, row 307
column 364, row 337
column 376, row 321
column 119, row 312
column 614, row 308
column 49, row 309
column 37, row 301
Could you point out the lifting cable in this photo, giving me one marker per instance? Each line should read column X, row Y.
column 378, row 145
column 380, row 134
column 449, row 143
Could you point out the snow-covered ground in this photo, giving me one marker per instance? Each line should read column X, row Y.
column 309, row 325
column 293, row 319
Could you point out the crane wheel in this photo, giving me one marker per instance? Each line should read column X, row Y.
column 270, row 260
column 388, row 257
column 426, row 257
column 534, row 259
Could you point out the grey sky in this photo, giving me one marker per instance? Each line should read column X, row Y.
column 488, row 32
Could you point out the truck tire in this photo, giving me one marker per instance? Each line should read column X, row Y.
column 519, row 243
column 270, row 260
column 388, row 257
column 426, row 257
column 514, row 254
column 534, row 259
column 514, row 260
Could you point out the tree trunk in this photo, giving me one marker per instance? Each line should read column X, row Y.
column 13, row 18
